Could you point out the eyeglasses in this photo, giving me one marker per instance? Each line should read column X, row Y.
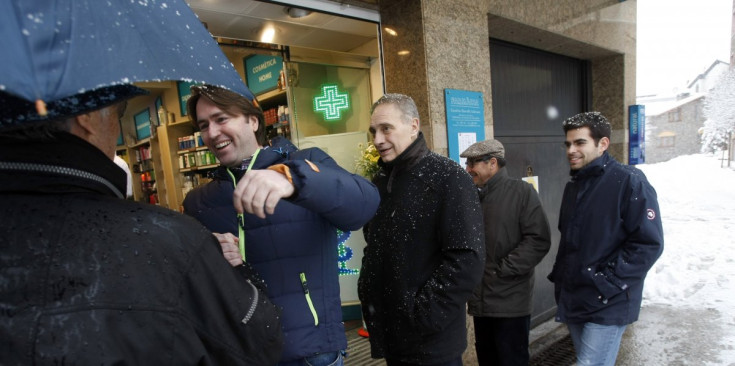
column 472, row 161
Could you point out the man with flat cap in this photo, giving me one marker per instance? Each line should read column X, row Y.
column 87, row 277
column 517, row 237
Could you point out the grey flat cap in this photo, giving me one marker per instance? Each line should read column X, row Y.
column 489, row 147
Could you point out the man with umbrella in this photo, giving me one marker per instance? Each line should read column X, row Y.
column 87, row 277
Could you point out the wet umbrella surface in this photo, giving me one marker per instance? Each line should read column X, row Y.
column 55, row 49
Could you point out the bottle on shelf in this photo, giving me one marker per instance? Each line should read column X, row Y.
column 162, row 115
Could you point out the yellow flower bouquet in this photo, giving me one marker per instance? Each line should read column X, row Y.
column 367, row 162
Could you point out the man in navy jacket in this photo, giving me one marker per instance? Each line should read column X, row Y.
column 611, row 235
column 288, row 207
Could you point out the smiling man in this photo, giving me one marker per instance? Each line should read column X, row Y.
column 611, row 235
column 425, row 251
column 517, row 237
column 279, row 209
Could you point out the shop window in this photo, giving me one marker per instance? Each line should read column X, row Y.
column 330, row 99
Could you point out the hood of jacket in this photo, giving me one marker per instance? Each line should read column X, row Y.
column 61, row 165
column 279, row 150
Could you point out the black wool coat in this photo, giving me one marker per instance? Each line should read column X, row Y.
column 424, row 256
column 87, row 277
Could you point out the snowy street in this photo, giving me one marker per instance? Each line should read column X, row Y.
column 688, row 315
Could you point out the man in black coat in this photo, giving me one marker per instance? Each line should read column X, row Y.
column 87, row 277
column 425, row 248
column 517, row 237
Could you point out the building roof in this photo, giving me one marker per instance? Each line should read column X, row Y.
column 704, row 74
column 657, row 108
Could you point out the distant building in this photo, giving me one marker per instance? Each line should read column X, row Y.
column 674, row 123
column 676, row 130
column 707, row 80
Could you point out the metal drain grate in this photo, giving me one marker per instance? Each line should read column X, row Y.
column 561, row 353
column 358, row 353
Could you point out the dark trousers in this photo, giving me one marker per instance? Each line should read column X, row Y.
column 455, row 362
column 502, row 341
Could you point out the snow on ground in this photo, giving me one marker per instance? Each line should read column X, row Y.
column 697, row 268
column 697, row 203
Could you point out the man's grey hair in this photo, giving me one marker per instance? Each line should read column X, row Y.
column 404, row 103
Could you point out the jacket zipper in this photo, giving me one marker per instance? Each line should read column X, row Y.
column 254, row 305
column 240, row 223
column 241, row 217
column 302, row 276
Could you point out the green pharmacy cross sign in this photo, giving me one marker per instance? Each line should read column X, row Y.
column 331, row 102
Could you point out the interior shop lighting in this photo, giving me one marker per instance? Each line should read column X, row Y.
column 390, row 31
column 296, row 12
column 268, row 34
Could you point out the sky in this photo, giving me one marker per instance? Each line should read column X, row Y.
column 678, row 40
column 696, row 271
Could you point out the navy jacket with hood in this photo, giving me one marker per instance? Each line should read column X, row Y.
column 611, row 235
column 296, row 248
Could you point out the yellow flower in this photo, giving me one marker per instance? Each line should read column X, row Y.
column 367, row 163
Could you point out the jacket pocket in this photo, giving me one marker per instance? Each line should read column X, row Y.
column 304, row 285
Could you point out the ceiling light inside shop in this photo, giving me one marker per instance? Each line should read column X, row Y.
column 268, row 34
column 296, row 12
column 390, row 31
column 404, row 52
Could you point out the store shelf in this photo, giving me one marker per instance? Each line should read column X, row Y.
column 186, row 122
column 195, row 168
column 142, row 142
column 273, row 94
column 193, row 149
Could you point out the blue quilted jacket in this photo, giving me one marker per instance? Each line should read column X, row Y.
column 295, row 249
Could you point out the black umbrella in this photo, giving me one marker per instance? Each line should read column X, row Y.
column 53, row 50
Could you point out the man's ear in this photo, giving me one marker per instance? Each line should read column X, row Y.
column 253, row 120
column 603, row 144
column 84, row 125
column 415, row 127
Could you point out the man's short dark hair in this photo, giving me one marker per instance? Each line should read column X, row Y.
column 230, row 103
column 595, row 121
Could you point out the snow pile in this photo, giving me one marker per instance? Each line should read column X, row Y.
column 697, row 202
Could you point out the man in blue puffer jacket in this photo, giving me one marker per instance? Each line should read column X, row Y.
column 611, row 235
column 288, row 206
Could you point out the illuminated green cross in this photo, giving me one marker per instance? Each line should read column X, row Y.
column 331, row 102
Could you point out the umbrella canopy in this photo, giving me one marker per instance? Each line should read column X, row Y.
column 54, row 49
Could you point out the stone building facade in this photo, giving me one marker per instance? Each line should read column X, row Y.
column 676, row 131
